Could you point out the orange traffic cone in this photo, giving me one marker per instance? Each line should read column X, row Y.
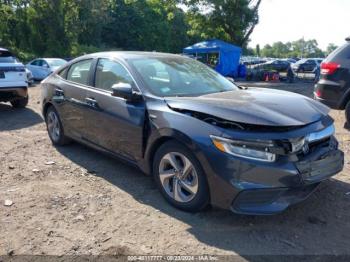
column 267, row 78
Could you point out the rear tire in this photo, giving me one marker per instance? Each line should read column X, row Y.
column 55, row 128
column 347, row 112
column 20, row 102
column 183, row 183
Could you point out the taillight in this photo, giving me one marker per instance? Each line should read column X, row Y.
column 318, row 93
column 329, row 68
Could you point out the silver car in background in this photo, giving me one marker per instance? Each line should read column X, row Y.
column 43, row 67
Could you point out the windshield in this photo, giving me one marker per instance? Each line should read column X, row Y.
column 56, row 62
column 7, row 57
column 179, row 76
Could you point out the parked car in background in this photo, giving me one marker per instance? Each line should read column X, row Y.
column 291, row 60
column 42, row 67
column 333, row 88
column 204, row 139
column 278, row 65
column 13, row 80
column 306, row 65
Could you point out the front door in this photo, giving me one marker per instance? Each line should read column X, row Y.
column 114, row 124
column 70, row 98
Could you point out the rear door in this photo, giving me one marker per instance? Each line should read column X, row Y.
column 34, row 68
column 70, row 97
column 42, row 69
column 114, row 124
column 310, row 65
column 45, row 69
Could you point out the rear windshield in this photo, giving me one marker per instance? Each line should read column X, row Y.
column 342, row 52
column 7, row 57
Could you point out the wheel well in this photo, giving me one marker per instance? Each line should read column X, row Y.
column 154, row 149
column 157, row 145
column 345, row 101
column 46, row 107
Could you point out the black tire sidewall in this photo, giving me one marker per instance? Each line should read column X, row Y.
column 201, row 200
column 20, row 102
column 347, row 112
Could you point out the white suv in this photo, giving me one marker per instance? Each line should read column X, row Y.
column 13, row 80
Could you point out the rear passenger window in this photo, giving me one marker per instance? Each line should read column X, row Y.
column 109, row 73
column 340, row 53
column 79, row 72
column 35, row 63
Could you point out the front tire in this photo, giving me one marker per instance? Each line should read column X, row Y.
column 20, row 102
column 180, row 177
column 347, row 112
column 55, row 128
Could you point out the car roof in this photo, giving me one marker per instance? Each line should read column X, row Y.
column 51, row 58
column 130, row 54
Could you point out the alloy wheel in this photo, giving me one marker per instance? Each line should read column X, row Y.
column 53, row 126
column 178, row 177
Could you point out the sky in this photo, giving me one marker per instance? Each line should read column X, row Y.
column 327, row 21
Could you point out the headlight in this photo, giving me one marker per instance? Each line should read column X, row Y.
column 255, row 150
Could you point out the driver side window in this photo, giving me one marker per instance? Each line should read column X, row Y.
column 109, row 73
column 35, row 63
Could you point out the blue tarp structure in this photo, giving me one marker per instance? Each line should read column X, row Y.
column 229, row 55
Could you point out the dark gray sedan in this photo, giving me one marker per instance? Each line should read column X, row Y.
column 204, row 139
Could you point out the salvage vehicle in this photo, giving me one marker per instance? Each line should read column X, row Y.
column 204, row 139
column 13, row 80
column 333, row 88
column 42, row 67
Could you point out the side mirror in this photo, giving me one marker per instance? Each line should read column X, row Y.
column 123, row 90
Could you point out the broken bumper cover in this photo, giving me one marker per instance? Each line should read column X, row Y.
column 274, row 200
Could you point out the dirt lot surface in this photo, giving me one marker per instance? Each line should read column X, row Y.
column 74, row 200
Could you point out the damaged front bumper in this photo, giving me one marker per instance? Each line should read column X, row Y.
column 259, row 188
column 311, row 173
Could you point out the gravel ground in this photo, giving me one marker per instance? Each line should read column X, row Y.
column 74, row 200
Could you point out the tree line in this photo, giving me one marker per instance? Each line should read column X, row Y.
column 68, row 28
column 300, row 48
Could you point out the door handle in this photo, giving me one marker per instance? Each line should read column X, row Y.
column 59, row 92
column 58, row 96
column 91, row 102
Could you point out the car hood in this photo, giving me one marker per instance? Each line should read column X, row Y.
column 256, row 106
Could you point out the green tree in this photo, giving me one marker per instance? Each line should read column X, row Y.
column 230, row 20
column 299, row 48
column 72, row 27
column 330, row 48
column 146, row 25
